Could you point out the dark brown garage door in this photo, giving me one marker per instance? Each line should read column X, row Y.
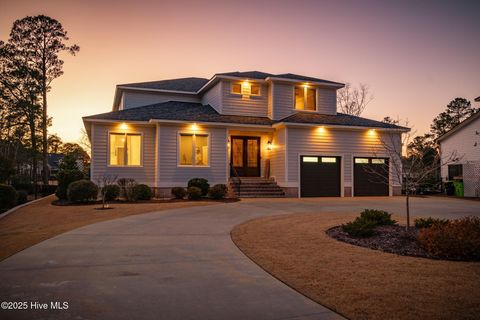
column 370, row 177
column 319, row 176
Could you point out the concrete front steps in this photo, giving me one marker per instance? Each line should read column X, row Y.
column 255, row 187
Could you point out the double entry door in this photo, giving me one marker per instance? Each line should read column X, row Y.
column 245, row 156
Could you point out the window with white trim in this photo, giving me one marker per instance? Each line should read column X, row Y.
column 125, row 149
column 193, row 149
column 305, row 98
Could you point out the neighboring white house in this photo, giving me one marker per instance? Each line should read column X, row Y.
column 281, row 128
column 464, row 141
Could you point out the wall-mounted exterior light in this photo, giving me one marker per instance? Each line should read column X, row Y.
column 269, row 145
column 123, row 126
column 321, row 129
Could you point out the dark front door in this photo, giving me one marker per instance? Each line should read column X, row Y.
column 245, row 156
column 320, row 176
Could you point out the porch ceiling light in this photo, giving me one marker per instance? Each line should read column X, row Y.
column 123, row 126
column 194, row 127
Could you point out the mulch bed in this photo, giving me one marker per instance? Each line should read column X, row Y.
column 393, row 239
column 59, row 202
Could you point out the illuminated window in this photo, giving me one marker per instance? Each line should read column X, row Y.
column 305, row 99
column 125, row 149
column 329, row 160
column 255, row 90
column 378, row 161
column 310, row 159
column 237, row 88
column 193, row 149
column 361, row 160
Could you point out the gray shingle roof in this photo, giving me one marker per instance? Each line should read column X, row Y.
column 263, row 75
column 188, row 111
column 340, row 119
column 181, row 84
column 175, row 110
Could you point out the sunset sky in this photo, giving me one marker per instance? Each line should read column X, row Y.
column 416, row 56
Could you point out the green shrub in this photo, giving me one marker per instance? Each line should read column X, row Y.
column 379, row 217
column 65, row 178
column 82, row 191
column 111, row 192
column 22, row 197
column 218, row 191
column 360, row 228
column 457, row 239
column 179, row 192
column 428, row 222
column 8, row 197
column 142, row 192
column 47, row 189
column 127, row 188
column 194, row 193
column 22, row 182
column 199, row 183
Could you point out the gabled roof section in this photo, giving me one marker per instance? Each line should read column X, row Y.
column 340, row 119
column 459, row 126
column 196, row 112
column 292, row 76
column 182, row 84
column 247, row 74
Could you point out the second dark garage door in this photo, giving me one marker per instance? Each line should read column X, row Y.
column 319, row 176
column 370, row 177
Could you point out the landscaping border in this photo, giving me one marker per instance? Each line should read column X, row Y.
column 6, row 213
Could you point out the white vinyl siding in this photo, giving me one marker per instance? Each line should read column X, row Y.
column 326, row 101
column 171, row 174
column 133, row 99
column 277, row 156
column 236, row 104
column 465, row 144
column 100, row 153
column 335, row 142
column 213, row 97
column 282, row 101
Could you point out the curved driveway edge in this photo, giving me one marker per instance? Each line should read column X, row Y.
column 176, row 264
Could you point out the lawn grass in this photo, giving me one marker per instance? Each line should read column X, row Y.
column 357, row 282
column 42, row 220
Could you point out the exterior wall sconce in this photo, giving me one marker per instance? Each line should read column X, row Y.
column 194, row 127
column 269, row 145
column 123, row 126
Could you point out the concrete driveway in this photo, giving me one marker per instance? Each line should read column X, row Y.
column 178, row 264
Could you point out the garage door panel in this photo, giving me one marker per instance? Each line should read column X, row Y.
column 371, row 177
column 319, row 177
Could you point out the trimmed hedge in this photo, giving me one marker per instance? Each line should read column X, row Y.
column 82, row 191
column 218, row 191
column 142, row 192
column 8, row 197
column 364, row 225
column 65, row 178
column 194, row 193
column 199, row 183
column 22, row 197
column 179, row 192
column 112, row 192
column 456, row 240
column 379, row 217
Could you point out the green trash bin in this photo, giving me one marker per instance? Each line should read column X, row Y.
column 458, row 185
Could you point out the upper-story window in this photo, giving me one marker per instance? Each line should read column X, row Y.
column 305, row 98
column 245, row 88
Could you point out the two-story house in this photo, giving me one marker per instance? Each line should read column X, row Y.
column 280, row 128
